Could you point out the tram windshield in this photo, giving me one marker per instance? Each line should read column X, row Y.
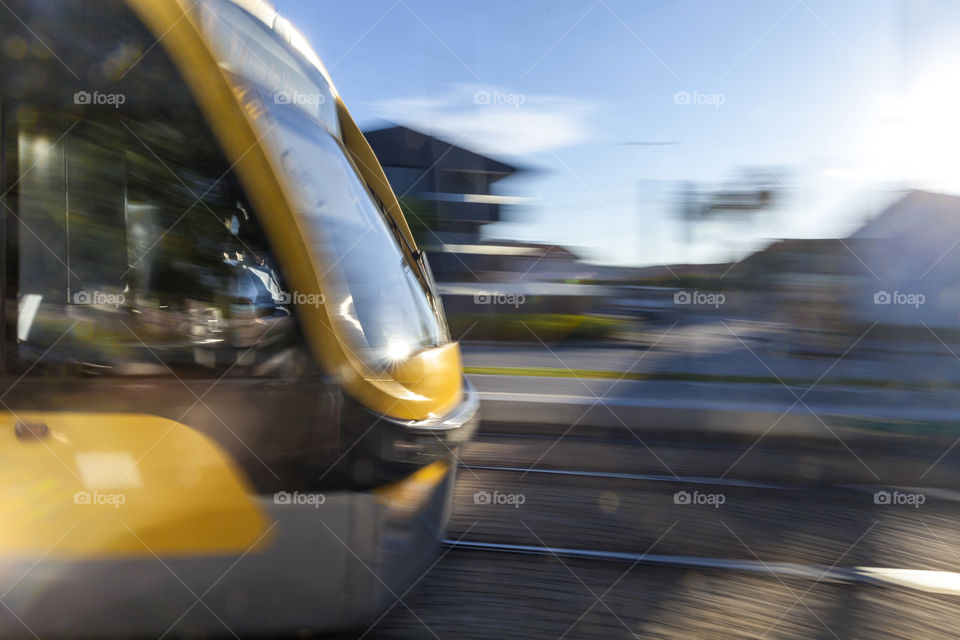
column 371, row 285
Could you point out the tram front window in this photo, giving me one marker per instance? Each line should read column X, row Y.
column 137, row 250
column 373, row 289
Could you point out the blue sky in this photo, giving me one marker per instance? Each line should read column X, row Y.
column 842, row 102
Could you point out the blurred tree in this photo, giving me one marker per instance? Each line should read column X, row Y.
column 423, row 219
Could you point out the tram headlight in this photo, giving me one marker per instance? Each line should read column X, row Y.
column 398, row 350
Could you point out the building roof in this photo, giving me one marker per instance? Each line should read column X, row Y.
column 917, row 213
column 534, row 248
column 400, row 146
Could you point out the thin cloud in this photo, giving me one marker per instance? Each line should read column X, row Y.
column 495, row 120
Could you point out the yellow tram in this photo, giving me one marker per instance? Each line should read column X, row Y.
column 230, row 400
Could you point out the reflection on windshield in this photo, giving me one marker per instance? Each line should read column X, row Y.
column 159, row 251
column 379, row 299
column 349, row 231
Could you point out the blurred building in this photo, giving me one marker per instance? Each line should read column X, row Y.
column 913, row 251
column 447, row 194
column 902, row 268
column 507, row 261
column 805, row 283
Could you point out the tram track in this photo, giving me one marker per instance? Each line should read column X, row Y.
column 931, row 492
column 940, row 582
column 903, row 462
column 790, row 523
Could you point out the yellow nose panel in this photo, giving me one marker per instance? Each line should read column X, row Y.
column 93, row 485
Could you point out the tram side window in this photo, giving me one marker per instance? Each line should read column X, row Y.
column 137, row 251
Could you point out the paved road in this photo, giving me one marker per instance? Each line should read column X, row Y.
column 706, row 406
column 791, row 462
column 903, row 387
column 737, row 348
column 800, row 510
column 486, row 596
